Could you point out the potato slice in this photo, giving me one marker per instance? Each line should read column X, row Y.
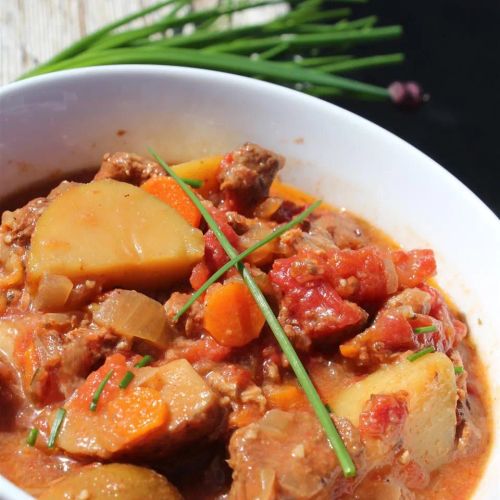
column 112, row 481
column 429, row 432
column 203, row 169
column 115, row 233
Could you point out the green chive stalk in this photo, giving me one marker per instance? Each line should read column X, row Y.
column 304, row 47
column 345, row 460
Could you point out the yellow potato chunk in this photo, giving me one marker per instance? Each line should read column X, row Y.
column 203, row 169
column 115, row 233
column 429, row 431
column 112, row 481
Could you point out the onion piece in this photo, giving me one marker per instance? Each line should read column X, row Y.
column 134, row 315
column 53, row 292
column 268, row 207
column 267, row 485
column 276, row 422
column 391, row 276
column 256, row 233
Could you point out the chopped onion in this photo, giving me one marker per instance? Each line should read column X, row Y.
column 256, row 233
column 275, row 422
column 391, row 276
column 53, row 292
column 300, row 485
column 267, row 480
column 134, row 315
column 268, row 207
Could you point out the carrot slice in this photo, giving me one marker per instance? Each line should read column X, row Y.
column 232, row 316
column 167, row 190
column 285, row 397
column 134, row 416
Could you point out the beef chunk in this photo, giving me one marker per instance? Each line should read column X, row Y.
column 286, row 453
column 128, row 167
column 247, row 173
column 20, row 224
column 345, row 230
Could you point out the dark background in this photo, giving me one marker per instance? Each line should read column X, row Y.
column 452, row 48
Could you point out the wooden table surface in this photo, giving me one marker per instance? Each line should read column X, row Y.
column 31, row 31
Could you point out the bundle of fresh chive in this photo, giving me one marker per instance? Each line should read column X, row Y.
column 306, row 47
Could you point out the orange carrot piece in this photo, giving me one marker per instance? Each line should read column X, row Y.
column 285, row 397
column 244, row 416
column 232, row 316
column 167, row 190
column 135, row 415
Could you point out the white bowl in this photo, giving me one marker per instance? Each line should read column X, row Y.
column 63, row 122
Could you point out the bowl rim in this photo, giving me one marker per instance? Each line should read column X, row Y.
column 488, row 215
column 488, row 218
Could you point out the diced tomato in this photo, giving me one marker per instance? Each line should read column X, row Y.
column 199, row 275
column 414, row 267
column 202, row 349
column 367, row 266
column 454, row 329
column 314, row 305
column 236, row 375
column 215, row 255
column 393, row 330
column 390, row 332
column 83, row 395
column 383, row 416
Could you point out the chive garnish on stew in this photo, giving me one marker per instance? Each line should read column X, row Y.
column 125, row 381
column 144, row 361
column 422, row 352
column 345, row 460
column 196, row 183
column 278, row 231
column 425, row 329
column 100, row 388
column 458, row 370
column 32, row 436
column 56, row 427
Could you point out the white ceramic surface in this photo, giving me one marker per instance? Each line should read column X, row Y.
column 66, row 121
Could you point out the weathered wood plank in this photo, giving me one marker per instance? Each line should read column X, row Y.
column 32, row 31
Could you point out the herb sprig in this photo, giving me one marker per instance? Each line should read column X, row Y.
column 295, row 48
column 425, row 329
column 345, row 460
column 417, row 355
column 56, row 427
column 100, row 388
column 125, row 381
column 32, row 437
